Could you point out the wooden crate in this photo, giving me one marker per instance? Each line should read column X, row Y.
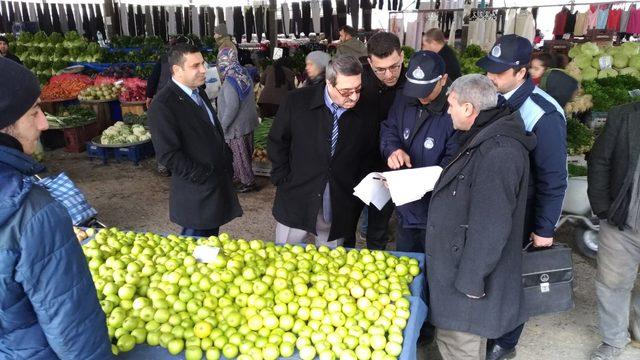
column 134, row 108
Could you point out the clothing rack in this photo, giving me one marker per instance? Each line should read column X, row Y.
column 571, row 4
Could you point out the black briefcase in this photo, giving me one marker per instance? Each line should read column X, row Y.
column 547, row 279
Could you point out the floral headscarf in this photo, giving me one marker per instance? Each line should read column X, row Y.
column 231, row 70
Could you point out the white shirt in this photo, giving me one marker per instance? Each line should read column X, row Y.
column 510, row 93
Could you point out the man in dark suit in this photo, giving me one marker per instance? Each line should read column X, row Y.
column 319, row 147
column 614, row 193
column 189, row 141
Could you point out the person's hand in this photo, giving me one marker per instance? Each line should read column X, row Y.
column 148, row 102
column 398, row 159
column 539, row 241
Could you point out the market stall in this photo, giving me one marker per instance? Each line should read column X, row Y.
column 224, row 297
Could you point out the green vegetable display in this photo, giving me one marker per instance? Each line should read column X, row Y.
column 579, row 137
column 468, row 59
column 260, row 136
column 577, row 170
column 610, row 92
column 72, row 116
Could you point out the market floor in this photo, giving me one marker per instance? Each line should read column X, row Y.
column 136, row 198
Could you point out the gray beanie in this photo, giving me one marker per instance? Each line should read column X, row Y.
column 19, row 91
column 319, row 58
column 221, row 29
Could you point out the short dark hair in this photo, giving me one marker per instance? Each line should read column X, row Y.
column 178, row 51
column 547, row 60
column 434, row 34
column 383, row 44
column 4, row 38
column 349, row 30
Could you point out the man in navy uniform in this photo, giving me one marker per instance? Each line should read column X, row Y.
column 417, row 133
column 506, row 66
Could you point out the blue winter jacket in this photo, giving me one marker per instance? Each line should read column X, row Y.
column 544, row 117
column 425, row 133
column 48, row 303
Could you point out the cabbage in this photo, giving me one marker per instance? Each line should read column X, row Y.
column 139, row 131
column 634, row 61
column 574, row 51
column 630, row 71
column 589, row 73
column 590, row 49
column 583, row 61
column 630, row 48
column 597, row 61
column 620, row 61
column 607, row 73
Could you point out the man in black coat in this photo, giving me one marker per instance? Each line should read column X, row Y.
column 189, row 141
column 381, row 78
column 319, row 146
column 4, row 50
column 614, row 193
column 476, row 221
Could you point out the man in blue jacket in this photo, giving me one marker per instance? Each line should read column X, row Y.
column 417, row 133
column 48, row 303
column 506, row 66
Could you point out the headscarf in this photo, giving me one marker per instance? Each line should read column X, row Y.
column 231, row 70
column 320, row 59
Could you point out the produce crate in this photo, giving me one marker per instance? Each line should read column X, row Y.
column 107, row 112
column 52, row 139
column 54, row 107
column 135, row 153
column 557, row 46
column 261, row 168
column 134, row 108
column 98, row 152
column 76, row 137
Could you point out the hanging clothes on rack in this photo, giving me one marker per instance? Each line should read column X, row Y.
column 560, row 22
column 613, row 20
column 341, row 11
column 211, row 20
column 93, row 28
column 195, row 20
column 306, row 17
column 260, row 22
column 570, row 23
column 179, row 20
column 315, row 15
column 86, row 22
column 29, row 15
column 115, row 19
column 238, row 24
column 229, row 15
column 580, row 27
column 510, row 22
column 592, row 17
column 163, row 23
column 55, row 19
column 40, row 17
column 148, row 21
column 366, row 7
column 220, row 13
column 12, row 14
column 353, row 8
column 633, row 26
column 491, row 28
column 296, row 19
column 603, row 15
column 71, row 21
column 186, row 30
column 624, row 19
column 172, row 28
column 202, row 21
column 100, row 21
column 48, row 24
column 5, row 22
column 249, row 22
column 327, row 14
column 155, row 13
column 77, row 11
column 17, row 12
column 286, row 19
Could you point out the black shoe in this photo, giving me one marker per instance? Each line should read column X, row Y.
column 246, row 188
column 163, row 171
column 496, row 352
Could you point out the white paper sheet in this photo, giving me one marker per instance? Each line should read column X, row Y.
column 403, row 186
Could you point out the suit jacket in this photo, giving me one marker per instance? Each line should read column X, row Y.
column 612, row 163
column 188, row 144
column 299, row 148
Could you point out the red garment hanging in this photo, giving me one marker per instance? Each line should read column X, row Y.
column 613, row 21
column 560, row 22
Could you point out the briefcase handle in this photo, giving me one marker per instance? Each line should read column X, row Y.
column 530, row 248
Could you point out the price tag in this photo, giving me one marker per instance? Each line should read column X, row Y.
column 634, row 93
column 205, row 253
column 277, row 53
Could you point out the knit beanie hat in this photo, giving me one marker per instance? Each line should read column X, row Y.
column 560, row 85
column 319, row 58
column 19, row 91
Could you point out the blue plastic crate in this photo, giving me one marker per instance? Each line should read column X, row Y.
column 98, row 152
column 135, row 153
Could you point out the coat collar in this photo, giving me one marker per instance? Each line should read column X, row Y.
column 20, row 161
column 183, row 97
column 521, row 95
column 438, row 106
column 317, row 97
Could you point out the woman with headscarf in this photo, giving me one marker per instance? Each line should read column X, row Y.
column 277, row 81
column 238, row 116
column 316, row 63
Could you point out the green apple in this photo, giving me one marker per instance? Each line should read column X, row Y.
column 393, row 348
column 212, row 354
column 230, row 351
column 126, row 343
column 175, row 346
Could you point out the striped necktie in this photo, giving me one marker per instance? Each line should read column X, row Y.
column 334, row 132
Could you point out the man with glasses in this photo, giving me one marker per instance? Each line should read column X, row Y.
column 417, row 133
column 319, row 146
column 381, row 78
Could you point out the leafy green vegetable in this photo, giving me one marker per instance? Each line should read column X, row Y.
column 261, row 133
column 579, row 137
column 577, row 170
column 610, row 92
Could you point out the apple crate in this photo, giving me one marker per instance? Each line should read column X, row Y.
column 76, row 137
column 135, row 153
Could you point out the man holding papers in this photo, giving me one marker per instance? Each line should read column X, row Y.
column 417, row 133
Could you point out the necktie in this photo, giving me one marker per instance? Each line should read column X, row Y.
column 196, row 97
column 326, row 196
column 334, row 132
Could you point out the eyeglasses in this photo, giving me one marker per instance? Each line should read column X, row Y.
column 392, row 68
column 349, row 92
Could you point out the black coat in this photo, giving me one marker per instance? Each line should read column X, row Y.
column 474, row 231
column 202, row 194
column 612, row 163
column 299, row 148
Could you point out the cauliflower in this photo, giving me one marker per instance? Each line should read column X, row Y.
column 139, row 130
column 119, row 124
column 132, row 138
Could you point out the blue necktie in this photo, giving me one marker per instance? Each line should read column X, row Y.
column 196, row 97
column 326, row 196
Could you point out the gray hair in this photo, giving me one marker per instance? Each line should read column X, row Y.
column 475, row 89
column 346, row 65
column 319, row 58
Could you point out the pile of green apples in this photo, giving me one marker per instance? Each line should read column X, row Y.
column 255, row 300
